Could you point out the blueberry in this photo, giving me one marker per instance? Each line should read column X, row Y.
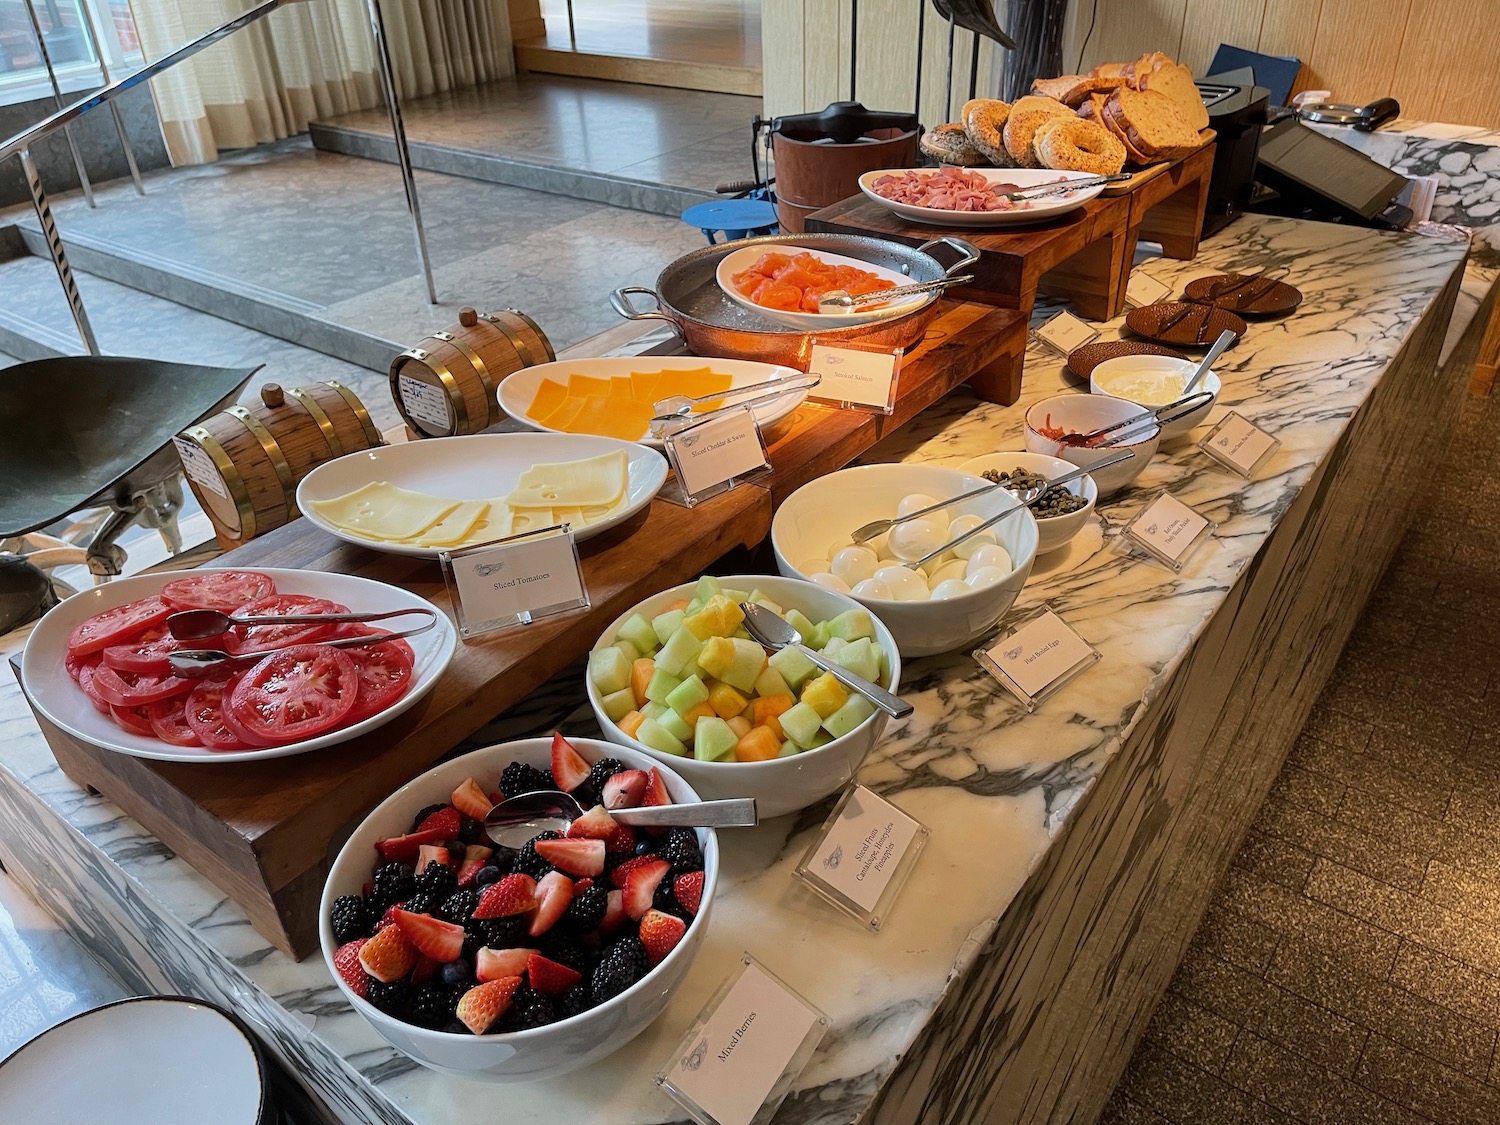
column 646, row 846
column 486, row 876
column 457, row 973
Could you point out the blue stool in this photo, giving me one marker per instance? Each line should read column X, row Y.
column 737, row 218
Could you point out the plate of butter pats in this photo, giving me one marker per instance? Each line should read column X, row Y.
column 424, row 497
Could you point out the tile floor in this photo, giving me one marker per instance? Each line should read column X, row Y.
column 1348, row 970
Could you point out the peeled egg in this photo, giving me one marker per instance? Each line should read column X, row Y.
column 872, row 588
column 881, row 545
column 962, row 524
column 915, row 502
column 952, row 569
column 988, row 555
column 831, row 581
column 905, row 585
column 915, row 538
column 934, row 565
column 987, row 576
column 813, row 566
column 854, row 564
column 951, row 588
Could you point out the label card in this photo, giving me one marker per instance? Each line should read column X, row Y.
column 863, row 855
column 424, row 403
column 1036, row 656
column 855, row 377
column 514, row 581
column 1064, row 332
column 1168, row 530
column 1143, row 289
column 708, row 457
column 199, row 467
column 738, row 1061
column 1239, row 445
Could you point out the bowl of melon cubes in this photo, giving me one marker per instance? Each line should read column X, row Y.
column 680, row 679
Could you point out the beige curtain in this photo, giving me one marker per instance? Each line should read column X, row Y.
column 306, row 62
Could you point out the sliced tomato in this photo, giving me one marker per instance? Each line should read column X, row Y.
column 116, row 626
column 145, row 656
column 223, row 590
column 86, row 682
column 264, row 638
column 385, row 675
column 295, row 693
column 134, row 719
column 76, row 664
column 128, row 689
column 169, row 723
column 205, row 716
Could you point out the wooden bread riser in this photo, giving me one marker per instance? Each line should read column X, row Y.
column 466, row 363
column 1151, row 171
column 261, row 452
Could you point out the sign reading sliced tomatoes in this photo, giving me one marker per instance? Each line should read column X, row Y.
column 117, row 625
column 264, row 638
column 295, row 693
column 223, row 590
column 385, row 672
column 127, row 689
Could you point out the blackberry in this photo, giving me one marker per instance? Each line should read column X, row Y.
column 350, row 918
column 393, row 882
column 438, row 881
column 586, row 911
column 519, row 778
column 432, row 1005
column 682, row 851
column 423, row 903
column 528, row 1009
column 570, row 953
column 389, row 998
column 456, row 1026
column 622, row 966
column 577, row 999
column 459, row 973
column 473, row 943
column 471, row 831
column 459, row 906
column 424, row 814
column 501, row 933
column 528, row 862
column 602, row 771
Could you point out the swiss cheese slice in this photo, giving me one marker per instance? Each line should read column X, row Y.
column 530, row 519
column 456, row 527
column 593, row 482
column 380, row 510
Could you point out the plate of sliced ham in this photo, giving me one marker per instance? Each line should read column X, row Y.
column 972, row 197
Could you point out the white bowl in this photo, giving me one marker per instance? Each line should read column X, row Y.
column 816, row 520
column 781, row 785
column 1041, row 210
column 1141, row 364
column 541, row 1052
column 1081, row 414
column 740, row 260
column 1054, row 531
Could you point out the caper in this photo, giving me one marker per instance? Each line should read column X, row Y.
column 1056, row 501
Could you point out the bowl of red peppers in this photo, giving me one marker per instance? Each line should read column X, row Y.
column 1060, row 427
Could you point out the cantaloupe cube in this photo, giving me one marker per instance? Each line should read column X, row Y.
column 769, row 706
column 696, row 714
column 725, row 700
column 640, row 677
column 760, row 745
column 680, row 603
column 825, row 695
column 740, row 725
column 631, row 723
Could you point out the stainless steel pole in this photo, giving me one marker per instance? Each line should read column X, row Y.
column 88, row 22
column 41, row 46
column 403, row 154
column 55, row 249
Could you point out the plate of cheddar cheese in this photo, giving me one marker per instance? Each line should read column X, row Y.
column 444, row 494
column 617, row 397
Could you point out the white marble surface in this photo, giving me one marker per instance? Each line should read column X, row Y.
column 993, row 783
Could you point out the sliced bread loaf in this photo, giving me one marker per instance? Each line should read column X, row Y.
column 1152, row 124
column 1176, row 81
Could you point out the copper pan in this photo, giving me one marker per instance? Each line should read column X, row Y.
column 688, row 297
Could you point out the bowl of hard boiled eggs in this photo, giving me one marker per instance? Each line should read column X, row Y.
column 940, row 606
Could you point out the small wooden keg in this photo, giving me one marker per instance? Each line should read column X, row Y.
column 446, row 384
column 244, row 464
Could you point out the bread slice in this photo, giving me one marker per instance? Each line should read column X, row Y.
column 1152, row 60
column 1036, row 101
column 1057, row 88
column 1176, row 81
column 1108, row 117
column 1152, row 123
column 1109, row 70
column 1093, row 108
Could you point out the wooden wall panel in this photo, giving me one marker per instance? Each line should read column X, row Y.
column 1207, row 23
column 1287, row 27
column 1448, row 62
column 1356, row 48
column 1127, row 29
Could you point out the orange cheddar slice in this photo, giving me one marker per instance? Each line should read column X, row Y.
column 549, row 396
column 588, row 385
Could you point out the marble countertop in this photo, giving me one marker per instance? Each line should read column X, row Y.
column 993, row 783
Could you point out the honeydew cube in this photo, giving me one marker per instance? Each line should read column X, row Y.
column 745, row 666
column 665, row 624
column 628, row 650
column 742, row 633
column 655, row 710
column 854, row 711
column 713, row 740
column 861, row 657
column 820, row 738
column 661, row 685
column 800, row 622
column 834, row 646
column 680, row 651
column 651, row 733
column 618, row 704
column 687, row 695
column 675, row 725
column 693, row 606
column 726, row 701
column 716, row 656
column 736, row 596
column 719, row 617
column 818, row 637
column 825, row 695
column 770, row 683
column 707, row 587
column 793, row 666
column 760, row 599
column 788, row 748
column 609, row 670
column 637, row 630
column 800, row 723
column 740, row 724
column 851, row 625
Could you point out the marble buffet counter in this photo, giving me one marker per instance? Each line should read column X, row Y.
column 1072, row 851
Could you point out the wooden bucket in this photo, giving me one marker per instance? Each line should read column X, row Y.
column 446, row 384
column 244, row 464
column 811, row 175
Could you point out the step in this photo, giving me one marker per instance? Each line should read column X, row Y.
column 537, row 57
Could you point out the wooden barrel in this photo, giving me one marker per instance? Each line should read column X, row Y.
column 244, row 464
column 812, row 174
column 446, row 384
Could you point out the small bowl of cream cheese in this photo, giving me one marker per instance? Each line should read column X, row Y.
column 1155, row 380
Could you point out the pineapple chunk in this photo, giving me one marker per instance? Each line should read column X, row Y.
column 825, row 695
column 717, row 656
column 719, row 617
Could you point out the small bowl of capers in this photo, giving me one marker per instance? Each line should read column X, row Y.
column 1062, row 511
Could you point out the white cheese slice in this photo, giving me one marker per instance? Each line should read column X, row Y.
column 592, row 482
column 530, row 519
column 454, row 528
column 380, row 510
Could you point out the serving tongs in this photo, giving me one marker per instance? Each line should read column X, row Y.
column 205, row 624
column 1065, row 186
column 1122, row 431
column 194, row 662
column 672, row 421
column 840, row 300
column 865, row 533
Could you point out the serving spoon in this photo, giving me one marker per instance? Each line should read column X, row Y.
column 194, row 662
column 770, row 630
column 205, row 624
column 1226, row 337
column 517, row 819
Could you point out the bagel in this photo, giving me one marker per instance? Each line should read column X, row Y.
column 949, row 144
column 984, row 119
column 1075, row 145
column 1023, row 123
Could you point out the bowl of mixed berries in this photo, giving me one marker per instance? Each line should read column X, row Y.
column 508, row 964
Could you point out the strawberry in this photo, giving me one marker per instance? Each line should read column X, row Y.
column 656, row 790
column 388, row 955
column 445, row 820
column 483, row 1004
column 581, row 885
column 660, row 934
column 641, row 884
column 350, row 971
column 492, row 964
column 576, row 857
column 596, row 824
column 688, row 890
column 622, row 842
column 388, row 918
column 470, row 799
column 474, row 857
column 614, row 915
column 620, row 874
column 514, row 894
column 431, row 853
column 548, row 977
column 553, row 894
column 404, row 848
column 424, row 970
column 442, row 941
column 624, row 789
column 568, row 769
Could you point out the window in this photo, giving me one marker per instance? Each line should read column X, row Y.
column 22, row 75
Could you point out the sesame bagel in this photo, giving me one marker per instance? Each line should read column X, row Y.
column 1023, row 124
column 1074, row 145
column 949, row 144
column 984, row 119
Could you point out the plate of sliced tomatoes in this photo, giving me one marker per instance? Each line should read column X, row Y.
column 97, row 665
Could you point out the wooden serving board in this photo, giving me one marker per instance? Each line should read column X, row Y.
column 264, row 832
column 1151, row 171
